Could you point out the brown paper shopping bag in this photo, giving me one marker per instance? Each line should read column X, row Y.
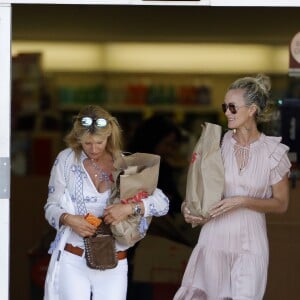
column 205, row 179
column 135, row 173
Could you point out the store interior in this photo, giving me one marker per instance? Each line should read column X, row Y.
column 137, row 62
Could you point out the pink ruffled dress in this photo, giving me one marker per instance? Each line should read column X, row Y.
column 230, row 260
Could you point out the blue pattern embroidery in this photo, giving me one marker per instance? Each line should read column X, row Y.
column 55, row 243
column 90, row 199
column 51, row 189
column 79, row 175
column 53, row 223
column 143, row 226
column 158, row 213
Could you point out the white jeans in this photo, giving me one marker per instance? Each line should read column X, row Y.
column 77, row 280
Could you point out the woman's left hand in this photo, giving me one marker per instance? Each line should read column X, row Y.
column 115, row 213
column 225, row 206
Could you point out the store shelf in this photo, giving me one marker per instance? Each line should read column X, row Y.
column 144, row 108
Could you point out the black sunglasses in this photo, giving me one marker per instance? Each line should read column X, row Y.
column 232, row 107
column 88, row 122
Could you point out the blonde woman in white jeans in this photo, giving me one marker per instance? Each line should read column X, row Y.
column 80, row 183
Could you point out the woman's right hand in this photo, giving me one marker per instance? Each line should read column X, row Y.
column 79, row 225
column 189, row 218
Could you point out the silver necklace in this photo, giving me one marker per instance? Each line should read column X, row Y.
column 101, row 175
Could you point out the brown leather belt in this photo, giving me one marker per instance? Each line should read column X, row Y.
column 79, row 251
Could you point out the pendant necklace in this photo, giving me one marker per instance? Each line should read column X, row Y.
column 242, row 156
column 101, row 175
column 242, row 153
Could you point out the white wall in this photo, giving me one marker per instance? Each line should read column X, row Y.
column 5, row 38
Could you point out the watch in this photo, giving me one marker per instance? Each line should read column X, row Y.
column 136, row 209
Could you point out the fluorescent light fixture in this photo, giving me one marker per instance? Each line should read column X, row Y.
column 158, row 57
column 60, row 56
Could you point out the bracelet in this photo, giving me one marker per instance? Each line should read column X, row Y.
column 64, row 218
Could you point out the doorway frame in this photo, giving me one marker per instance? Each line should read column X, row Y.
column 5, row 97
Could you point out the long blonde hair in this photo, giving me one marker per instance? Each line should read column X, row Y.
column 111, row 131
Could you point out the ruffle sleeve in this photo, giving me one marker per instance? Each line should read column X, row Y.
column 279, row 161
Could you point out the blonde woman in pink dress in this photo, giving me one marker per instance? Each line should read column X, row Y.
column 230, row 260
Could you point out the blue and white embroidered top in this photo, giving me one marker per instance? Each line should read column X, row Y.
column 71, row 190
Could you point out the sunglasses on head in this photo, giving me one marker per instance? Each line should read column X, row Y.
column 232, row 107
column 88, row 122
